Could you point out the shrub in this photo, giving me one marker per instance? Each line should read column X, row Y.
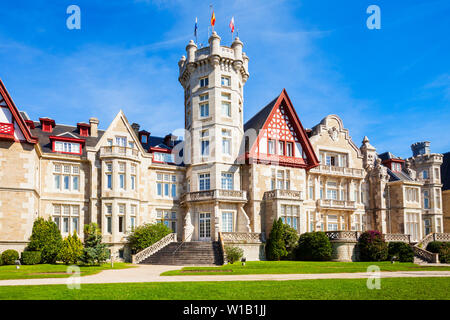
column 372, row 246
column 9, row 256
column 290, row 239
column 442, row 248
column 401, row 250
column 233, row 253
column 434, row 246
column 46, row 238
column 31, row 257
column 94, row 252
column 144, row 236
column 275, row 247
column 71, row 251
column 314, row 246
column 444, row 253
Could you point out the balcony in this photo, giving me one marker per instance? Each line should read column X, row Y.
column 216, row 194
column 336, row 204
column 119, row 152
column 6, row 131
column 338, row 171
column 279, row 194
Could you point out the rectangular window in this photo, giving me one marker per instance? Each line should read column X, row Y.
column 133, row 182
column 289, row 149
column 75, row 183
column 311, row 192
column 174, row 191
column 227, row 181
column 167, row 218
column 121, row 219
column 132, row 223
column 281, row 148
column 122, row 181
column 57, row 182
column 66, row 183
column 271, row 146
column 425, row 174
column 204, row 82
column 226, row 109
column 226, row 143
column 204, row 110
column 109, row 181
column 109, row 224
column 204, row 97
column 225, row 81
column 121, row 141
column 204, row 183
column 227, row 221
column 66, row 225
column 205, row 147
column 75, row 225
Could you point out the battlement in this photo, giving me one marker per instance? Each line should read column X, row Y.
column 215, row 54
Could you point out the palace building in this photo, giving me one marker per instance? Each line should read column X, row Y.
column 225, row 180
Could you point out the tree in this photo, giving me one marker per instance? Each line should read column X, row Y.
column 94, row 252
column 290, row 240
column 372, row 246
column 144, row 236
column 45, row 237
column 314, row 246
column 72, row 250
column 275, row 247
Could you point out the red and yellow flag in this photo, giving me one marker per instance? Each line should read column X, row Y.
column 213, row 19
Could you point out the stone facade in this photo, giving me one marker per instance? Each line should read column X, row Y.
column 226, row 176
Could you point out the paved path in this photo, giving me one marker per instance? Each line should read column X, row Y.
column 151, row 273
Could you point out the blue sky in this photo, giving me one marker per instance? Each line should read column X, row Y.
column 392, row 84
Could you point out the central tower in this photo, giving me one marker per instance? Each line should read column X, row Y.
column 213, row 79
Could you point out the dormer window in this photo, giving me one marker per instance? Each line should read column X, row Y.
column 83, row 129
column 47, row 124
column 66, row 145
column 144, row 139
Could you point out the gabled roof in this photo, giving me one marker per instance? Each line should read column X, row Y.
column 388, row 156
column 445, row 172
column 261, row 120
column 400, row 175
column 6, row 98
column 62, row 130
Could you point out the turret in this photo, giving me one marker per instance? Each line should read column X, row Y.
column 420, row 148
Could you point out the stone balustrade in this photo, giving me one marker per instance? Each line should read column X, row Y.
column 215, row 194
column 336, row 204
column 283, row 194
column 425, row 255
column 118, row 151
column 397, row 237
column 147, row 252
column 342, row 235
column 241, row 237
column 339, row 171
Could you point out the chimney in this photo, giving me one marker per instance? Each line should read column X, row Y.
column 420, row 148
column 169, row 140
column 136, row 128
column 94, row 127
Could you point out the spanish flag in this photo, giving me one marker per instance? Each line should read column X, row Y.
column 213, row 19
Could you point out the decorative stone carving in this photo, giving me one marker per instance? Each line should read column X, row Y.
column 334, row 134
column 188, row 227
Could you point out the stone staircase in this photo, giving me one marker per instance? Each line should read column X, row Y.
column 187, row 253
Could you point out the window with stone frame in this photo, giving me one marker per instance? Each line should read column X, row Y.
column 168, row 218
column 166, row 185
column 290, row 216
column 227, row 181
column 332, row 222
column 67, row 218
column 66, row 177
column 281, row 179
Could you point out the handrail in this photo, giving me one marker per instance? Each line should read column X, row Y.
column 142, row 255
column 182, row 242
column 222, row 247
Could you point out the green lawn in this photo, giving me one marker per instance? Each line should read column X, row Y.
column 286, row 267
column 355, row 289
column 52, row 270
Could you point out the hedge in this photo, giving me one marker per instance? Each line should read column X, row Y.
column 442, row 248
column 314, row 246
column 31, row 257
column 10, row 256
column 233, row 253
column 401, row 250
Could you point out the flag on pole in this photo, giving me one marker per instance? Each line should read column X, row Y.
column 195, row 28
column 232, row 24
column 213, row 19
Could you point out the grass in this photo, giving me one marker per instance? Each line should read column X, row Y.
column 52, row 270
column 326, row 289
column 290, row 267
